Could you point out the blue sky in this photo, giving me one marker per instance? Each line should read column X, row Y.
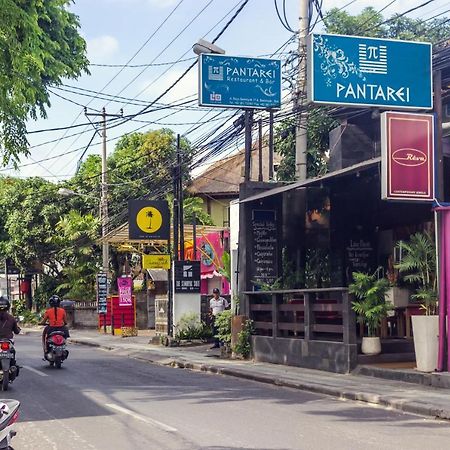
column 116, row 29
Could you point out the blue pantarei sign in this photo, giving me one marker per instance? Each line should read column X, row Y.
column 237, row 82
column 359, row 71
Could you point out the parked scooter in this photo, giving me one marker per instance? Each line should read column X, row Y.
column 55, row 351
column 9, row 368
column 9, row 413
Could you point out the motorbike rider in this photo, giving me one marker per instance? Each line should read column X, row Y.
column 55, row 319
column 8, row 324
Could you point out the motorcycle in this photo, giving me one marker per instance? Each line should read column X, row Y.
column 9, row 413
column 56, row 352
column 9, row 368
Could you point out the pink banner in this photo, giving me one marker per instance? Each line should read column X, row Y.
column 125, row 295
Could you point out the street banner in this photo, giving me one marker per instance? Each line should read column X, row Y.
column 361, row 71
column 102, row 292
column 160, row 261
column 237, row 82
column 124, row 285
column 187, row 277
column 407, row 156
column 148, row 220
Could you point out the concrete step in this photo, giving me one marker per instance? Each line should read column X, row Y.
column 386, row 358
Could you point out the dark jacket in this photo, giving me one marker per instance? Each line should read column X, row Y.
column 8, row 326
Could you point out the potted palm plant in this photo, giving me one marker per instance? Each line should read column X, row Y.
column 370, row 305
column 418, row 268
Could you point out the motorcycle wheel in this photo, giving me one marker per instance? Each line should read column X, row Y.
column 58, row 362
column 5, row 380
column 52, row 363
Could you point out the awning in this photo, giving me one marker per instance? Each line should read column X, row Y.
column 312, row 181
column 158, row 274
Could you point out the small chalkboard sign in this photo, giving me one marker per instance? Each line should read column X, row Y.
column 360, row 256
column 264, row 249
column 102, row 292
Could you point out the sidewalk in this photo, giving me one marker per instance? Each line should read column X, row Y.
column 407, row 397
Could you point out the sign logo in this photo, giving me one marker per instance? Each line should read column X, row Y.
column 215, row 73
column 148, row 219
column 236, row 82
column 373, row 59
column 187, row 276
column 409, row 157
column 360, row 71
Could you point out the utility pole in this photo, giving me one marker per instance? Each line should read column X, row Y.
column 180, row 196
column 248, row 115
column 270, row 145
column 104, row 188
column 260, row 151
column 300, row 100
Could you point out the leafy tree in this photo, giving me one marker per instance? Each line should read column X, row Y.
column 40, row 45
column 29, row 211
column 75, row 237
column 194, row 205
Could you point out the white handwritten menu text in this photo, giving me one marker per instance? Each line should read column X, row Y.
column 264, row 247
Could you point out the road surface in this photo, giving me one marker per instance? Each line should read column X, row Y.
column 100, row 401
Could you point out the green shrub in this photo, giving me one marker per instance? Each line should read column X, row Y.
column 223, row 324
column 190, row 327
column 243, row 347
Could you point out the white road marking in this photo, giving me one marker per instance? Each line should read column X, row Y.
column 38, row 372
column 148, row 420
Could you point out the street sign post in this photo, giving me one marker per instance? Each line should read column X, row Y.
column 360, row 71
column 148, row 220
column 187, row 277
column 102, row 292
column 238, row 82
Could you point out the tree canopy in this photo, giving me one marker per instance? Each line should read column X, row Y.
column 40, row 45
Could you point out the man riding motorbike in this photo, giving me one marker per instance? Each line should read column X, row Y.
column 55, row 319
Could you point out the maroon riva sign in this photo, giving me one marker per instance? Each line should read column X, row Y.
column 407, row 156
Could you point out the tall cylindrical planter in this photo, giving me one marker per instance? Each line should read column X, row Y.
column 371, row 345
column 426, row 342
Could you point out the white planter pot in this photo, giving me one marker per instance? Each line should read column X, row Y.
column 426, row 342
column 371, row 345
column 399, row 297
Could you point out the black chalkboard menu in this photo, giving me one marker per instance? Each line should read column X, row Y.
column 264, row 248
column 360, row 256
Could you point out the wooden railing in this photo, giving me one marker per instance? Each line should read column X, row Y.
column 312, row 314
column 85, row 305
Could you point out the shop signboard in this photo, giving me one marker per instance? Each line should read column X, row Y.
column 159, row 261
column 148, row 220
column 102, row 292
column 187, row 277
column 124, row 285
column 407, row 156
column 361, row 71
column 239, row 82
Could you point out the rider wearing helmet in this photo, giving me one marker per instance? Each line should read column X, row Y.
column 55, row 318
column 8, row 324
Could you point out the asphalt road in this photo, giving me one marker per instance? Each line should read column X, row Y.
column 105, row 402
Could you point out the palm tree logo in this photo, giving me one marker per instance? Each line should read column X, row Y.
column 149, row 215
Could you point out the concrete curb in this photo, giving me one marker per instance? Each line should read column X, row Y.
column 407, row 406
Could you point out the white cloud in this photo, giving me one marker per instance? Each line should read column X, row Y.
column 187, row 86
column 102, row 48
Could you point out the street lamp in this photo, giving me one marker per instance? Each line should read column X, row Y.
column 203, row 46
column 65, row 192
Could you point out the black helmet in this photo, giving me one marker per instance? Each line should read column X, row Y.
column 54, row 300
column 4, row 304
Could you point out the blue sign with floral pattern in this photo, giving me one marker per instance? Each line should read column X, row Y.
column 360, row 71
column 238, row 82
